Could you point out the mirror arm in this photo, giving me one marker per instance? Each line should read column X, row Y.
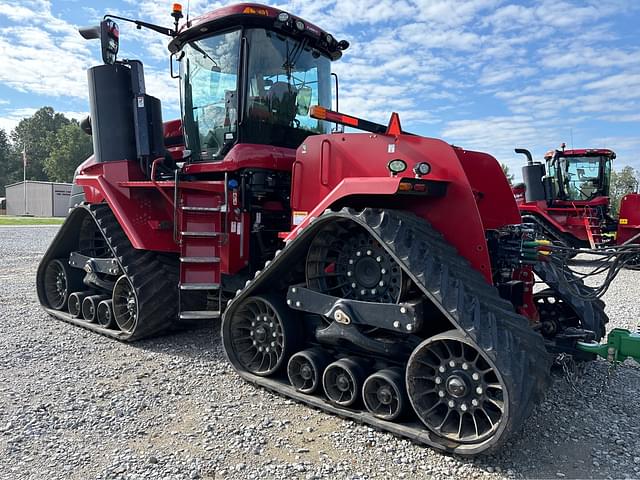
column 156, row 28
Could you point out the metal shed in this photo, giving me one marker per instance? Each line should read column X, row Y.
column 44, row 199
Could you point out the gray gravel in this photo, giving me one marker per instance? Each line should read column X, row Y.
column 74, row 405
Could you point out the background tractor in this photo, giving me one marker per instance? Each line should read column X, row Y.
column 379, row 276
column 568, row 199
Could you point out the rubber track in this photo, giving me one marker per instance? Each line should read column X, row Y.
column 460, row 292
column 590, row 312
column 154, row 279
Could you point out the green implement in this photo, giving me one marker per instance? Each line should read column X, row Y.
column 621, row 344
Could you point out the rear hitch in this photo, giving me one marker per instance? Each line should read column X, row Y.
column 621, row 344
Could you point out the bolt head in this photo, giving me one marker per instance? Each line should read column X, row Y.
column 381, row 283
column 452, row 363
column 475, row 376
column 441, row 393
column 438, row 380
column 378, row 259
column 289, row 301
column 353, row 285
column 475, row 402
column 294, row 290
column 253, row 324
column 479, row 390
column 451, row 404
column 273, row 344
column 363, row 292
column 441, row 369
column 351, row 261
column 260, row 349
column 369, row 252
column 396, row 324
column 298, row 304
column 349, row 273
column 403, row 310
column 274, row 334
column 463, row 407
column 255, row 343
column 409, row 327
column 358, row 253
column 465, row 366
column 383, row 271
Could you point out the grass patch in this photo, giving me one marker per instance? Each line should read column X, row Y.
column 7, row 220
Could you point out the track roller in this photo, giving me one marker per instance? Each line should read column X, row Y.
column 456, row 390
column 90, row 307
column 260, row 335
column 305, row 369
column 59, row 281
column 104, row 315
column 74, row 304
column 384, row 394
column 342, row 381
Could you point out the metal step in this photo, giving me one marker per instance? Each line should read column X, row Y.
column 200, row 259
column 200, row 234
column 199, row 286
column 199, row 314
column 187, row 208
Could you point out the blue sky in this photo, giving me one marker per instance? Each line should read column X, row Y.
column 483, row 74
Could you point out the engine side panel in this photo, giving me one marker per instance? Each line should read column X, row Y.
column 323, row 161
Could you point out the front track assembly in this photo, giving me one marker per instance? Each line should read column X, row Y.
column 441, row 359
column 119, row 292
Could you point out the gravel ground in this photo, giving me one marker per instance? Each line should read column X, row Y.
column 74, row 405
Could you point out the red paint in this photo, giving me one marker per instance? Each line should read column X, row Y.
column 359, row 167
column 629, row 211
column 248, row 155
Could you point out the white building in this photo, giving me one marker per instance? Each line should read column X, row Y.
column 44, row 199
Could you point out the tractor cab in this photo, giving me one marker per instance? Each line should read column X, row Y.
column 579, row 175
column 249, row 74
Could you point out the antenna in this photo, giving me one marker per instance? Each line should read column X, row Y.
column 571, row 134
column 187, row 19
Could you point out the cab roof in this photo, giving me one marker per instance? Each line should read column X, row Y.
column 583, row 152
column 256, row 15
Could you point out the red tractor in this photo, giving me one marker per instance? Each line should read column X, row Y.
column 380, row 276
column 568, row 200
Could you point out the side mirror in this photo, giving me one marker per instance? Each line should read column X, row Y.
column 303, row 100
column 110, row 41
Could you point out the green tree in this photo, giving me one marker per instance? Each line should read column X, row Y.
column 70, row 147
column 35, row 135
column 510, row 176
column 7, row 160
column 622, row 182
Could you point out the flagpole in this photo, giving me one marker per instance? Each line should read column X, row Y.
column 24, row 176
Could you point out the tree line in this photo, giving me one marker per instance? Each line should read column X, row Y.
column 53, row 144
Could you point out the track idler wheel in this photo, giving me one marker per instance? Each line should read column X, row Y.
column 342, row 381
column 59, row 281
column 125, row 305
column 456, row 390
column 74, row 305
column 384, row 394
column 305, row 369
column 260, row 335
column 104, row 314
column 90, row 307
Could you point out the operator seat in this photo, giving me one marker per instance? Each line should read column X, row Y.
column 281, row 100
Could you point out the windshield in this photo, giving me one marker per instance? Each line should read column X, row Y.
column 209, row 73
column 583, row 177
column 285, row 78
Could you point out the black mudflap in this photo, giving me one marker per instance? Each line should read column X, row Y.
column 460, row 293
column 590, row 311
column 153, row 275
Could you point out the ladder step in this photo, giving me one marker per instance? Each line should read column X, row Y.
column 199, row 315
column 200, row 234
column 199, row 286
column 187, row 208
column 199, row 259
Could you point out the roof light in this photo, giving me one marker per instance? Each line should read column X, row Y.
column 283, row 17
column 176, row 9
column 255, row 11
column 300, row 25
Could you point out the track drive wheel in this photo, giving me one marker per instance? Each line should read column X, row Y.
column 60, row 280
column 261, row 335
column 456, row 390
